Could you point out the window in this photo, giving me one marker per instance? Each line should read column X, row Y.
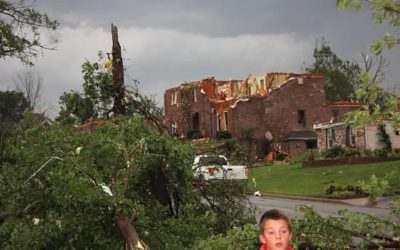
column 218, row 122
column 301, row 118
column 194, row 95
column 226, row 120
column 174, row 97
column 330, row 137
column 262, row 83
column 249, row 90
column 350, row 138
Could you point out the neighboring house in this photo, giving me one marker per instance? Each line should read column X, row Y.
column 345, row 136
column 286, row 105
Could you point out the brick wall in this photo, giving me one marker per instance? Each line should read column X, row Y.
column 278, row 112
column 185, row 109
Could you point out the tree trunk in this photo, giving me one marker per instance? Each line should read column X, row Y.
column 118, row 74
column 129, row 234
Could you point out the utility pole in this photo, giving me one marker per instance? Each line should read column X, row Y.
column 118, row 74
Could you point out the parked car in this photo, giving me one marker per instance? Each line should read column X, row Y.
column 209, row 167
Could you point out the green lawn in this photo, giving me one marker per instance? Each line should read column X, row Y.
column 294, row 180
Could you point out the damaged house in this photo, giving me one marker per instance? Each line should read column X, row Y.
column 285, row 106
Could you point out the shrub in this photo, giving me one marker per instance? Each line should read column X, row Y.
column 380, row 153
column 223, row 135
column 333, row 152
column 308, row 155
column 193, row 134
column 368, row 152
column 352, row 152
column 375, row 187
column 343, row 192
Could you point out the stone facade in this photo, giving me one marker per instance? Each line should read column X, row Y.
column 340, row 134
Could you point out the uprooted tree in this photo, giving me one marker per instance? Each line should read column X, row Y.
column 128, row 181
column 64, row 189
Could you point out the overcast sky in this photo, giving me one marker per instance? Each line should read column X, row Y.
column 168, row 42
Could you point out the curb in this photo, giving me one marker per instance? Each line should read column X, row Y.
column 303, row 198
column 317, row 199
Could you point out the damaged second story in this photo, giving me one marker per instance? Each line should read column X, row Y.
column 195, row 106
column 286, row 105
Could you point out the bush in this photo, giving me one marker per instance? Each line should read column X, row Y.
column 223, row 135
column 343, row 192
column 333, row 152
column 368, row 152
column 380, row 153
column 308, row 155
column 193, row 134
column 375, row 186
column 352, row 152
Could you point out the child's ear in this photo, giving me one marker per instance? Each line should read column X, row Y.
column 261, row 238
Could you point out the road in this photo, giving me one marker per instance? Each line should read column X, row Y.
column 324, row 208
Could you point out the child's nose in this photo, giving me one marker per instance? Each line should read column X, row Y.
column 278, row 235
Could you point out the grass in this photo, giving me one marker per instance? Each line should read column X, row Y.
column 312, row 182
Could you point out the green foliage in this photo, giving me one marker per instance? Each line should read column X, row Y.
column 13, row 104
column 379, row 105
column 308, row 155
column 333, row 152
column 349, row 152
column 316, row 232
column 384, row 138
column 96, row 100
column 337, row 191
column 375, row 187
column 382, row 11
column 20, row 30
column 245, row 238
column 53, row 189
column 380, row 153
column 340, row 76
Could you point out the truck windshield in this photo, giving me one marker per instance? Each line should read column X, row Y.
column 212, row 160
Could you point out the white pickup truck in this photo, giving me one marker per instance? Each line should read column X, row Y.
column 208, row 167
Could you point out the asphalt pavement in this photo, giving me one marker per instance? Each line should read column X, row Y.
column 325, row 207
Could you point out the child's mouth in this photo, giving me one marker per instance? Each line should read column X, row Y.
column 278, row 245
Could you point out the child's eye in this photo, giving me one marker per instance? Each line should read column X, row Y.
column 270, row 233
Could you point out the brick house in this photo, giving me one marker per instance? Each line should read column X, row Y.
column 332, row 134
column 286, row 105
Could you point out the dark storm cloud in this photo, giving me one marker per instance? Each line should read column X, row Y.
column 168, row 42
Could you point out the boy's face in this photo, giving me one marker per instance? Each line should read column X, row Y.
column 276, row 234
